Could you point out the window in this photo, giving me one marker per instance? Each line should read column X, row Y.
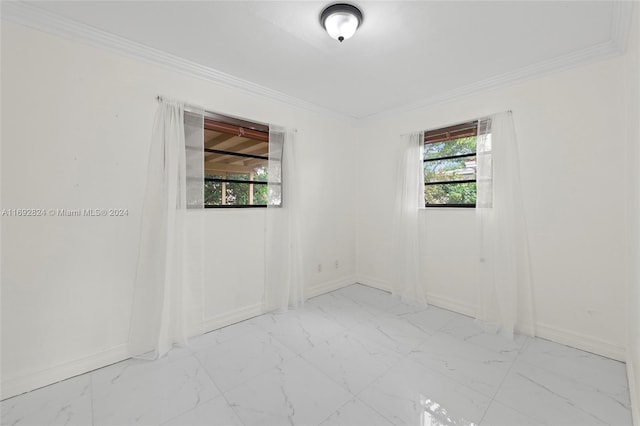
column 236, row 158
column 449, row 159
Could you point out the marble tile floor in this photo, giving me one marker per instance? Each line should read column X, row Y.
column 355, row 356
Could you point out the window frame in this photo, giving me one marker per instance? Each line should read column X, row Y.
column 449, row 134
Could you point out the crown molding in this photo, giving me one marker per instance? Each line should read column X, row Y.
column 621, row 24
column 581, row 57
column 616, row 45
column 39, row 19
column 42, row 20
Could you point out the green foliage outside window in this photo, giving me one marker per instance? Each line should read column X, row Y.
column 450, row 170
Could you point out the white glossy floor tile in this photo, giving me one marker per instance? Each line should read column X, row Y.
column 64, row 403
column 470, row 365
column 501, row 415
column 351, row 361
column 550, row 398
column 355, row 356
column 149, row 393
column 356, row 413
column 341, row 309
column 604, row 374
column 216, row 412
column 221, row 335
column 233, row 361
column 430, row 319
column 465, row 328
column 368, row 297
column 393, row 333
column 299, row 329
column 294, row 393
column 398, row 394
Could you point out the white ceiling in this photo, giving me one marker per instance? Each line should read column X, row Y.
column 405, row 51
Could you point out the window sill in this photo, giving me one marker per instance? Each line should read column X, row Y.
column 448, row 208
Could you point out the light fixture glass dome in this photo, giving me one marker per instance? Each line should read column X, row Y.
column 341, row 20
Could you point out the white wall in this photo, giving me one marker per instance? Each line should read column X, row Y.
column 76, row 124
column 572, row 131
column 633, row 319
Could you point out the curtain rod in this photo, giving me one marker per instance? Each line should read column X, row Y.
column 473, row 119
column 243, row 123
column 460, row 122
column 216, row 116
column 187, row 107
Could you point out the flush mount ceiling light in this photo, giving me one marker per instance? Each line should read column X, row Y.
column 341, row 20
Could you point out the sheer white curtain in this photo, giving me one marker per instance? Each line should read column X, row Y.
column 284, row 285
column 505, row 296
column 166, row 283
column 194, row 232
column 409, row 186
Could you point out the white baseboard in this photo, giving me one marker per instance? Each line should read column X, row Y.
column 634, row 382
column 545, row 331
column 374, row 282
column 329, row 286
column 556, row 334
column 24, row 383
column 17, row 385
column 228, row 318
column 432, row 299
column 451, row 304
column 13, row 386
column 581, row 341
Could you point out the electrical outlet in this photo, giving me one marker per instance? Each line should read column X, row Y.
column 319, row 267
column 337, row 264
